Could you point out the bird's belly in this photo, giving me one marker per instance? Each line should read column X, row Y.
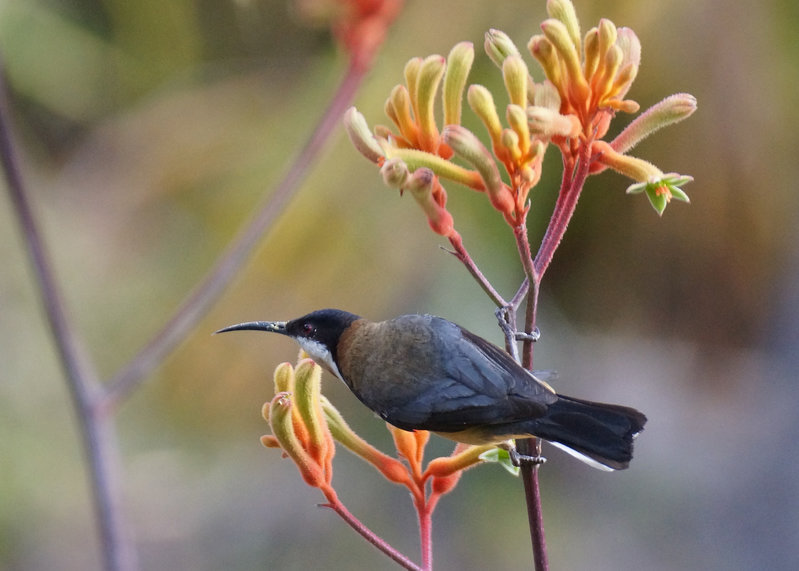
column 482, row 435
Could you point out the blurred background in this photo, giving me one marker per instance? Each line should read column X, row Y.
column 150, row 131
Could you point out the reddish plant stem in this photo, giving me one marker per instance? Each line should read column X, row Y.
column 206, row 293
column 463, row 255
column 534, row 278
column 571, row 186
column 574, row 177
column 531, row 446
column 424, row 511
column 365, row 532
column 532, row 493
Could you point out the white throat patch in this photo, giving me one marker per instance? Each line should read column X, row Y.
column 319, row 353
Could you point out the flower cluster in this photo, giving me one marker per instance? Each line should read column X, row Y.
column 298, row 427
column 305, row 425
column 586, row 82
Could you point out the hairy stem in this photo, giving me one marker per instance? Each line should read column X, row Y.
column 98, row 433
column 571, row 186
column 424, row 511
column 206, row 293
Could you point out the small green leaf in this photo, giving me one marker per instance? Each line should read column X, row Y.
column 501, row 457
column 656, row 199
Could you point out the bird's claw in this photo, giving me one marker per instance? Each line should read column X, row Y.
column 519, row 459
column 503, row 317
column 533, row 336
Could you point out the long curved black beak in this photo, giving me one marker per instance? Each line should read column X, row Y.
column 270, row 326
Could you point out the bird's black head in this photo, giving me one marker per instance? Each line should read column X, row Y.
column 322, row 327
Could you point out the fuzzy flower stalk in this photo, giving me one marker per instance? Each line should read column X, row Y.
column 306, row 427
column 586, row 81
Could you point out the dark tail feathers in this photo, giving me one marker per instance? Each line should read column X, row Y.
column 602, row 432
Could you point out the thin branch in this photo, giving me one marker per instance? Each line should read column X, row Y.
column 516, row 300
column 532, row 493
column 533, row 277
column 202, row 298
column 531, row 446
column 463, row 255
column 98, row 434
column 365, row 532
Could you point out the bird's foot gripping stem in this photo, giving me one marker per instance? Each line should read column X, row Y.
column 503, row 315
column 533, row 336
column 519, row 459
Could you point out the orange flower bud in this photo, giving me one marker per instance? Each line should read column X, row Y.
column 543, row 50
column 398, row 108
column 464, row 457
column 517, row 119
column 420, row 184
column 441, row 486
column 429, row 78
column 556, row 32
column 283, row 429
column 270, row 441
column 637, row 169
column 405, row 442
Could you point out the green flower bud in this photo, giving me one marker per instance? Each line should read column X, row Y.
column 459, row 63
column 498, row 46
column 671, row 110
column 308, row 387
column 482, row 103
column 395, row 173
column 515, row 74
column 563, row 10
column 284, row 378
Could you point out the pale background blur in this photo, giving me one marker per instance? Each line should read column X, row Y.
column 150, row 130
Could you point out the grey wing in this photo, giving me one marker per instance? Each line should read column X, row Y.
column 477, row 384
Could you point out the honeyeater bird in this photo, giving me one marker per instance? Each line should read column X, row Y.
column 421, row 372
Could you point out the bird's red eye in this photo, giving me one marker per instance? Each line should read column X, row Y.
column 307, row 329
